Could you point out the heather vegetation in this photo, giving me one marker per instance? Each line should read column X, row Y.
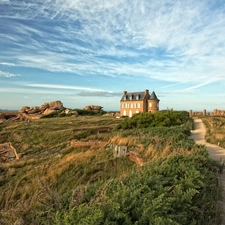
column 57, row 182
column 159, row 119
column 215, row 130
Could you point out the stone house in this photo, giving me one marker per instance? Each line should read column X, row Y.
column 136, row 102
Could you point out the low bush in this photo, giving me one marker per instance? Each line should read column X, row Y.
column 159, row 119
column 178, row 190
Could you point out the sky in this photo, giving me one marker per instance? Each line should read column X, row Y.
column 87, row 52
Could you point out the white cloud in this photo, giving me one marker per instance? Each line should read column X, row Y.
column 4, row 1
column 167, row 40
column 7, row 64
column 55, row 86
column 7, row 74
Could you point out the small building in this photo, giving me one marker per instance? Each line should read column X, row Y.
column 136, row 102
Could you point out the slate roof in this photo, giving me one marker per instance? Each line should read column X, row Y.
column 153, row 96
column 131, row 96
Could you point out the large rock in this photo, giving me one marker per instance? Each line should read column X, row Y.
column 33, row 110
column 87, row 108
column 95, row 108
column 44, row 107
column 48, row 111
column 24, row 109
column 56, row 105
column 112, row 114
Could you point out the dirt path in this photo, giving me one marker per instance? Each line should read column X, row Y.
column 215, row 152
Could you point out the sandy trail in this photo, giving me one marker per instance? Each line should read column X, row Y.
column 215, row 152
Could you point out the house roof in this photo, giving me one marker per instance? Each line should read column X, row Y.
column 137, row 96
column 153, row 96
column 131, row 96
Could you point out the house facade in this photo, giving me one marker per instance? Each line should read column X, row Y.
column 136, row 102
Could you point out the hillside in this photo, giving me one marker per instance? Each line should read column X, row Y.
column 70, row 173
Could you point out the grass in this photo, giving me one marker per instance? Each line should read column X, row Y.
column 50, row 166
column 53, row 175
column 215, row 130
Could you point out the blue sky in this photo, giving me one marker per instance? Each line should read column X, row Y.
column 86, row 52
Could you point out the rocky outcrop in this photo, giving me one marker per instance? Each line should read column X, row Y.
column 8, row 116
column 112, row 114
column 218, row 112
column 35, row 112
column 95, row 108
column 48, row 111
column 56, row 105
column 44, row 107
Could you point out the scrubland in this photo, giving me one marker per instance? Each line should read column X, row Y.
column 68, row 174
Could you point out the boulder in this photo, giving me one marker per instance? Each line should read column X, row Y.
column 112, row 114
column 48, row 111
column 56, row 105
column 44, row 107
column 24, row 109
column 95, row 108
column 33, row 110
column 87, row 108
column 66, row 111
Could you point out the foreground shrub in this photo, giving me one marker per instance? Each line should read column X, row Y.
column 165, row 119
column 179, row 190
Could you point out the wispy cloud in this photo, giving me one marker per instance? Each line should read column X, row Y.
column 99, row 94
column 7, row 74
column 7, row 64
column 166, row 40
column 56, row 86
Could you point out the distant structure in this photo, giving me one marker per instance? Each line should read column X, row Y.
column 216, row 112
column 136, row 102
column 203, row 113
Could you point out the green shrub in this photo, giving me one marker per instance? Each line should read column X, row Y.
column 159, row 119
column 178, row 190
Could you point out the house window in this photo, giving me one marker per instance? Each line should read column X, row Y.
column 124, row 113
column 137, row 97
column 125, row 105
column 137, row 111
column 130, row 105
column 150, row 105
column 137, row 105
column 131, row 97
column 125, row 97
column 130, row 114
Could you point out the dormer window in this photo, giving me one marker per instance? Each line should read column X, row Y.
column 125, row 97
column 137, row 97
column 131, row 97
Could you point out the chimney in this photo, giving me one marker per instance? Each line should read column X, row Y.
column 125, row 92
column 146, row 92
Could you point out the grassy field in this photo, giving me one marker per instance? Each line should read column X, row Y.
column 215, row 130
column 68, row 174
column 50, row 164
